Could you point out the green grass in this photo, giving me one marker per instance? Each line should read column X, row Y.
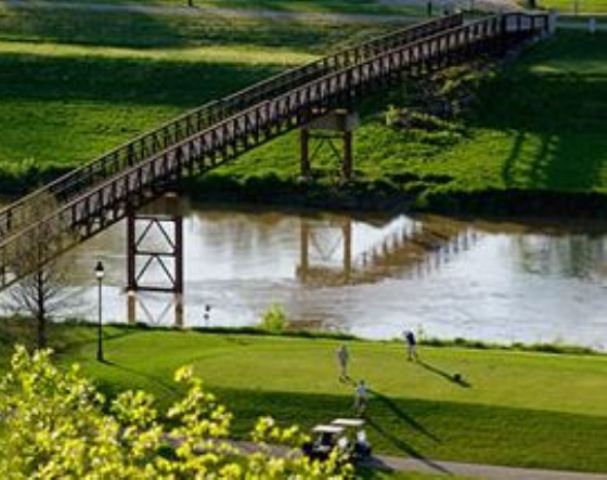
column 65, row 104
column 569, row 6
column 71, row 91
column 307, row 6
column 368, row 474
column 545, row 129
column 143, row 30
column 520, row 408
column 544, row 132
column 323, row 6
column 75, row 85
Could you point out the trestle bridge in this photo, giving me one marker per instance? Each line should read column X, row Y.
column 88, row 200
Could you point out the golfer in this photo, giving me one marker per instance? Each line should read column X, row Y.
column 342, row 359
column 411, row 342
column 361, row 398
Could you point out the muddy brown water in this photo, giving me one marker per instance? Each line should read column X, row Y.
column 370, row 275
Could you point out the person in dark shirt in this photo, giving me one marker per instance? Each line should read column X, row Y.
column 411, row 345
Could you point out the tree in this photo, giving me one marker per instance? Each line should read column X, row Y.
column 54, row 424
column 39, row 294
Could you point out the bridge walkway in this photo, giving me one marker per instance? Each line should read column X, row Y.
column 101, row 193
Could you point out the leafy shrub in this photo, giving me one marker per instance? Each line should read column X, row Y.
column 54, row 424
column 274, row 319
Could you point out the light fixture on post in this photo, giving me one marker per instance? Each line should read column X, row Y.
column 99, row 272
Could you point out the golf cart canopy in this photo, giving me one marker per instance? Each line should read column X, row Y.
column 348, row 422
column 334, row 429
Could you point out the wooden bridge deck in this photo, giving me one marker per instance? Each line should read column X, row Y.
column 102, row 192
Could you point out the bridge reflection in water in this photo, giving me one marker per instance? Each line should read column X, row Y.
column 406, row 247
column 369, row 274
column 171, row 313
column 333, row 251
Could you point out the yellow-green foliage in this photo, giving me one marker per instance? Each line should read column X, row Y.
column 274, row 319
column 54, row 424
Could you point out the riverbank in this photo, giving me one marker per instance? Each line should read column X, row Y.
column 536, row 149
column 510, row 408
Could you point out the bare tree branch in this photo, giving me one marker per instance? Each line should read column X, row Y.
column 42, row 293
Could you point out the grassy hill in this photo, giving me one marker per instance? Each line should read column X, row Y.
column 78, row 83
column 534, row 134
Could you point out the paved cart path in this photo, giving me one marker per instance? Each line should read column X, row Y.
column 485, row 472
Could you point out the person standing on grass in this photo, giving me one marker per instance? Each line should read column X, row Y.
column 361, row 398
column 342, row 359
column 411, row 345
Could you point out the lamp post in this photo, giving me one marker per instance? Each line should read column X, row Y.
column 99, row 272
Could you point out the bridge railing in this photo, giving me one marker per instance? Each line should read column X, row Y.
column 109, row 201
column 70, row 185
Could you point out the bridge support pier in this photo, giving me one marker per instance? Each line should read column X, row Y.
column 337, row 125
column 155, row 253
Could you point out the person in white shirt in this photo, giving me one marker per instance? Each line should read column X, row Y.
column 361, row 398
column 342, row 359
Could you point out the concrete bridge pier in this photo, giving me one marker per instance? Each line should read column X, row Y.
column 336, row 126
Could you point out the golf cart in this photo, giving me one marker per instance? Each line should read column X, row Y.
column 345, row 434
column 360, row 448
column 326, row 438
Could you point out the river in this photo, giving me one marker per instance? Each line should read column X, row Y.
column 370, row 275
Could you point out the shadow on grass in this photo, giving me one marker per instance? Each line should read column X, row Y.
column 456, row 378
column 89, row 27
column 405, row 447
column 361, row 7
column 552, row 110
column 402, row 415
column 148, row 30
column 128, row 81
column 154, row 379
column 62, row 345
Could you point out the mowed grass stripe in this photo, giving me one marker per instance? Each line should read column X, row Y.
column 151, row 31
column 73, row 85
column 236, row 54
column 297, row 6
